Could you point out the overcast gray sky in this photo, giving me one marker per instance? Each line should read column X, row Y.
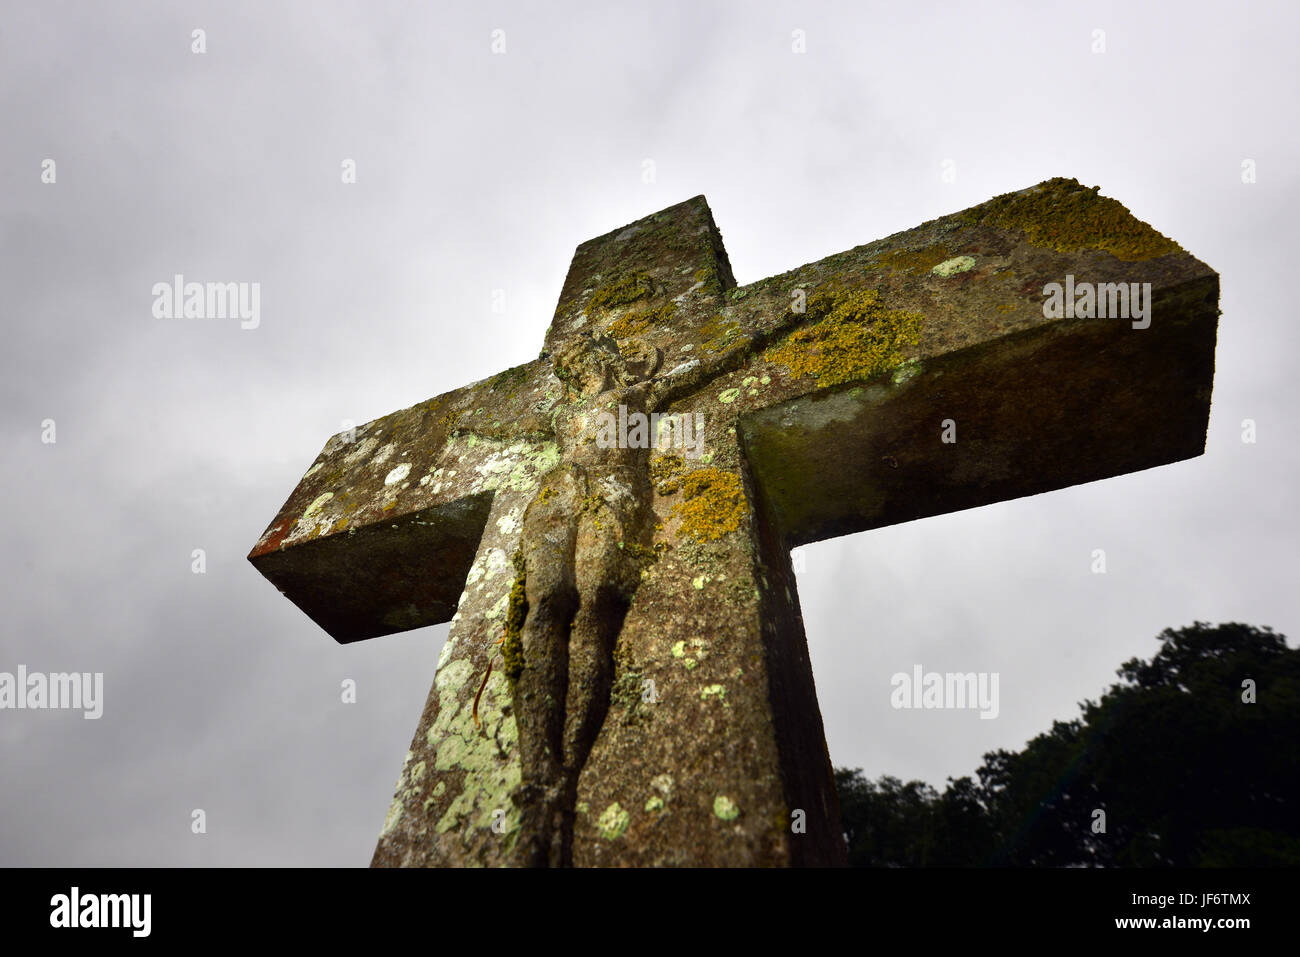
column 479, row 171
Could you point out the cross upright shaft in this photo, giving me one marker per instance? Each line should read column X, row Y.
column 652, row 701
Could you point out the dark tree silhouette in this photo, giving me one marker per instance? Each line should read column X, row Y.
column 1187, row 772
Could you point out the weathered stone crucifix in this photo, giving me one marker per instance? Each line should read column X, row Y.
column 626, row 679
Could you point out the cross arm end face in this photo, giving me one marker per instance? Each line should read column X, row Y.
column 383, row 578
column 381, row 531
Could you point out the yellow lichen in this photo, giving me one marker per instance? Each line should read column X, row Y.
column 512, row 648
column 713, row 503
column 1064, row 215
column 593, row 503
column 718, row 333
column 647, row 554
column 630, row 288
column 666, row 472
column 636, row 321
column 855, row 337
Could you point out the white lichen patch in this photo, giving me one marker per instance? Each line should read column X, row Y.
column 692, row 656
column 725, row 808
column 495, row 562
column 950, row 267
column 435, row 479
column 663, row 783
column 400, row 793
column 614, row 489
column 451, row 676
column 488, row 757
column 695, row 288
column 613, row 821
column 497, row 610
column 316, row 506
column 397, row 474
column 476, row 572
column 509, row 522
column 516, row 466
column 908, row 370
column 393, row 816
column 448, row 648
column 363, row 449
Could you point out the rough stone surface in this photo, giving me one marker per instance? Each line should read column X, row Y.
column 626, row 680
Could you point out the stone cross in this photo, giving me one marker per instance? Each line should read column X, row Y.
column 626, row 680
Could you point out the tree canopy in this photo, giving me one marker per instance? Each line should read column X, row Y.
column 1187, row 768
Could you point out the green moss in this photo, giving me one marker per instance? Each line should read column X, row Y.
column 1064, row 215
column 512, row 649
column 713, row 503
column 620, row 292
column 511, row 377
column 626, row 694
column 855, row 337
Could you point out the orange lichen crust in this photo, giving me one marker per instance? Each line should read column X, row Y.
column 855, row 337
column 635, row 321
column 712, row 505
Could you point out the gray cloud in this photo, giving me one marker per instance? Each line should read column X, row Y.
column 480, row 172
